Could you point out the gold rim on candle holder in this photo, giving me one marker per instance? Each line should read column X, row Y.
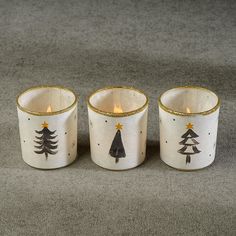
column 38, row 113
column 113, row 114
column 179, row 113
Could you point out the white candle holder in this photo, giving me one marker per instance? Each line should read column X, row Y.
column 188, row 127
column 48, row 126
column 118, row 127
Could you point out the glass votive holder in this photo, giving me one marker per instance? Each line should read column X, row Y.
column 48, row 126
column 118, row 127
column 188, row 119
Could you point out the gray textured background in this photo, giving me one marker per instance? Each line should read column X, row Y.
column 85, row 45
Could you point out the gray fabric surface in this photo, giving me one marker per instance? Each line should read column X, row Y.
column 85, row 45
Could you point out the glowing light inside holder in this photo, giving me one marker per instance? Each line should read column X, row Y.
column 188, row 142
column 116, row 111
column 188, row 110
column 46, row 114
column 117, row 108
column 49, row 109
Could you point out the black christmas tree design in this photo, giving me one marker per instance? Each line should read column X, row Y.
column 45, row 142
column 117, row 148
column 189, row 143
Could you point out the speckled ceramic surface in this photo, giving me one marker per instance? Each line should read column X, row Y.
column 118, row 127
column 188, row 119
column 48, row 127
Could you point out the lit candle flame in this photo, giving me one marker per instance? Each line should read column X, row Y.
column 117, row 108
column 188, row 110
column 49, row 109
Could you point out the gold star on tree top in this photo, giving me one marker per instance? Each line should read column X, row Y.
column 45, row 125
column 119, row 126
column 189, row 126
